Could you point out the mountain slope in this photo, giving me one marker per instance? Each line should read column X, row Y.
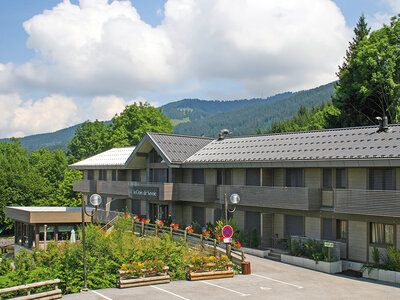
column 246, row 120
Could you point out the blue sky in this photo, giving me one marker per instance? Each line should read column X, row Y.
column 87, row 59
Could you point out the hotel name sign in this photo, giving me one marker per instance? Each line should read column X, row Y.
column 144, row 192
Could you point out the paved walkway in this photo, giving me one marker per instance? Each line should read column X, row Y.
column 269, row 280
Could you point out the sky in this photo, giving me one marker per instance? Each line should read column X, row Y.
column 64, row 62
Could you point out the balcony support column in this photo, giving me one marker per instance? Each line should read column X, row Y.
column 170, row 175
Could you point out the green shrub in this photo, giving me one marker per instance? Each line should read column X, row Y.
column 376, row 257
column 254, row 239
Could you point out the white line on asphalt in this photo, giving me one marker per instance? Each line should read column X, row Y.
column 168, row 292
column 265, row 288
column 221, row 287
column 283, row 282
column 101, row 295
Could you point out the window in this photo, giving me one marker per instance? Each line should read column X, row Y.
column 382, row 233
column 64, row 232
column 103, row 175
column 327, row 178
column 154, row 157
column 198, row 176
column 327, row 229
column 267, row 177
column 224, row 176
column 253, row 177
column 114, row 175
column 90, row 174
column 340, row 178
column 380, row 179
column 121, row 175
column 49, row 233
column 135, row 175
column 159, row 175
column 295, row 177
column 341, row 229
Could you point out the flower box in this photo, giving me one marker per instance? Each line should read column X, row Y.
column 126, row 280
column 382, row 275
column 211, row 274
column 322, row 266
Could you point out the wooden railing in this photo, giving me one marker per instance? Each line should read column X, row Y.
column 193, row 240
column 52, row 294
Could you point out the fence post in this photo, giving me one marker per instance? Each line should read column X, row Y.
column 201, row 242
column 133, row 227
column 142, row 228
column 243, row 257
column 171, row 229
column 215, row 247
column 185, row 235
column 156, row 230
column 229, row 254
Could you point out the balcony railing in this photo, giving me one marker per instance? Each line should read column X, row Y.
column 367, row 202
column 166, row 191
column 301, row 198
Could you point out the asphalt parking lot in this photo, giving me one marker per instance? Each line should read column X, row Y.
column 269, row 280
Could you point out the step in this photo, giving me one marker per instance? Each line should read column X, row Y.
column 275, row 258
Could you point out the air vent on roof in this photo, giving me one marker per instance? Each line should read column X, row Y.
column 223, row 133
column 383, row 124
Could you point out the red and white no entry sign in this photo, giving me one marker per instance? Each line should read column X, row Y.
column 227, row 231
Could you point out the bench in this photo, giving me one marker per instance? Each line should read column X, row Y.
column 52, row 294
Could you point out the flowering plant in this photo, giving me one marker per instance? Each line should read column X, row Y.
column 139, row 269
column 176, row 226
column 144, row 220
column 159, row 222
column 189, row 228
column 237, row 244
column 208, row 263
column 206, row 232
column 136, row 218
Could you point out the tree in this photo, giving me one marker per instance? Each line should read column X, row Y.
column 65, row 195
column 20, row 183
column 134, row 121
column 90, row 138
column 370, row 76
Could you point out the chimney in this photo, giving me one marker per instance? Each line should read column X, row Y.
column 383, row 124
column 222, row 134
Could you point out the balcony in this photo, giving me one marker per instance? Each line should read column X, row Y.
column 149, row 191
column 367, row 202
column 301, row 198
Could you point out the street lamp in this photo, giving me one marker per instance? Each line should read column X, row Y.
column 95, row 200
column 235, row 199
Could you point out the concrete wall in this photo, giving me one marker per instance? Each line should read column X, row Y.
column 210, row 176
column 239, row 217
column 109, row 175
column 313, row 227
column 209, row 215
column 357, row 241
column 278, row 225
column 313, row 177
column 357, row 178
column 143, row 175
column 398, row 236
column 238, row 176
column 279, row 177
column 186, row 214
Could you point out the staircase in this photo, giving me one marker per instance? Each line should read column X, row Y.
column 109, row 226
column 275, row 254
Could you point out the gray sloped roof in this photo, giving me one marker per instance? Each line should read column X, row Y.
column 176, row 148
column 331, row 144
column 113, row 158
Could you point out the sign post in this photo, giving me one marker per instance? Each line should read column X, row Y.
column 227, row 232
column 329, row 245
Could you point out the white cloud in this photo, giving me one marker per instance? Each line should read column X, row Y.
column 19, row 118
column 105, row 107
column 98, row 48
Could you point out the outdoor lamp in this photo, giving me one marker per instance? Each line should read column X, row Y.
column 95, row 200
column 235, row 199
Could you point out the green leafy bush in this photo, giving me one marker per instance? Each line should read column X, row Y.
column 311, row 249
column 254, row 239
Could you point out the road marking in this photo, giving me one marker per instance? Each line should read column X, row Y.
column 101, row 295
column 168, row 292
column 265, row 288
column 276, row 280
column 221, row 287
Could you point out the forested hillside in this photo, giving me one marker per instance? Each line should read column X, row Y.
column 188, row 110
column 246, row 120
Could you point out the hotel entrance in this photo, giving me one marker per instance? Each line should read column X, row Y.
column 158, row 212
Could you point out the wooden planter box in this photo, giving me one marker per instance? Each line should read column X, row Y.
column 192, row 276
column 126, row 281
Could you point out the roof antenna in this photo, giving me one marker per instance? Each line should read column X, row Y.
column 222, row 134
column 383, row 124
